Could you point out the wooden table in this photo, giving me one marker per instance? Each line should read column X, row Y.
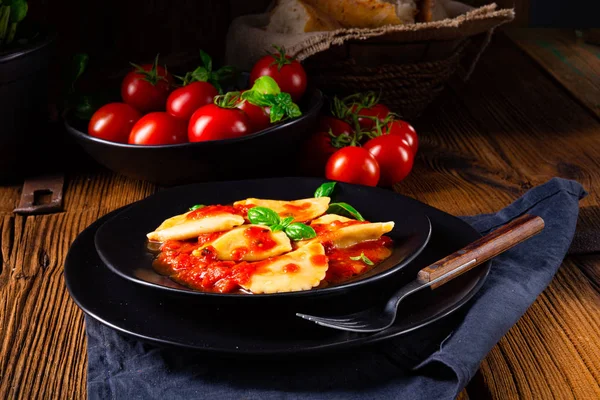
column 530, row 112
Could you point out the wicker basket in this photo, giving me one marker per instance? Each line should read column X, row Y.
column 406, row 87
column 408, row 64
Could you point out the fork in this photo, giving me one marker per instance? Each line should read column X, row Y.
column 437, row 274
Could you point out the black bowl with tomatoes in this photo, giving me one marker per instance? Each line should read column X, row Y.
column 269, row 152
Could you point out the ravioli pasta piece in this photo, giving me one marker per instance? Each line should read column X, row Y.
column 351, row 235
column 302, row 269
column 250, row 243
column 302, row 210
column 329, row 218
column 181, row 228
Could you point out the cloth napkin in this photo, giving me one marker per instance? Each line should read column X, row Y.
column 435, row 362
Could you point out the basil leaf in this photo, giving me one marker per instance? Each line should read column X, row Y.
column 276, row 227
column 286, row 222
column 266, row 85
column 206, row 60
column 18, row 11
column 276, row 114
column 325, row 189
column 344, row 209
column 263, row 216
column 256, row 98
column 299, row 231
column 363, row 258
column 196, row 207
column 200, row 74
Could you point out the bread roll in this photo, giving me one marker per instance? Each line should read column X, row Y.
column 296, row 16
column 367, row 13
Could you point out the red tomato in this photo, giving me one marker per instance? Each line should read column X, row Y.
column 183, row 102
column 259, row 116
column 337, row 126
column 353, row 165
column 394, row 157
column 212, row 122
column 158, row 128
column 286, row 71
column 406, row 131
column 378, row 110
column 146, row 88
column 315, row 153
column 113, row 122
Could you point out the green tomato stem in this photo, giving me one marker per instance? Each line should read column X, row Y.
column 11, row 32
column 4, row 15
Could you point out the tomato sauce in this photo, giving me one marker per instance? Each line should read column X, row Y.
column 211, row 211
column 203, row 271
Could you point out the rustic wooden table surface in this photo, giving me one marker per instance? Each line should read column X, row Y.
column 530, row 112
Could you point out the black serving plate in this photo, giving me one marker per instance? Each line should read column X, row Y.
column 184, row 321
column 122, row 245
column 264, row 153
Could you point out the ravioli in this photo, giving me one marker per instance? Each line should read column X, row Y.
column 329, row 218
column 348, row 236
column 301, row 269
column 249, row 243
column 180, row 227
column 302, row 210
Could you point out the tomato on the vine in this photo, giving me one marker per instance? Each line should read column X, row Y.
column 184, row 101
column 366, row 115
column 353, row 165
column 286, row 71
column 113, row 122
column 147, row 87
column 158, row 128
column 315, row 153
column 259, row 116
column 336, row 125
column 213, row 122
column 394, row 157
column 404, row 130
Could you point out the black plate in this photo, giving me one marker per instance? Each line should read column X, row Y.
column 161, row 318
column 264, row 153
column 122, row 246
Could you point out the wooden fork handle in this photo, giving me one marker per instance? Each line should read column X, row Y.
column 481, row 250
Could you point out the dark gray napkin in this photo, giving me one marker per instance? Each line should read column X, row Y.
column 435, row 362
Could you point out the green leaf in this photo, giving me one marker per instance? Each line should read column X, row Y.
column 325, row 189
column 266, row 85
column 364, row 259
column 79, row 65
column 344, row 209
column 18, row 11
column 225, row 73
column 256, row 98
column 276, row 228
column 206, row 60
column 287, row 221
column 200, row 74
column 263, row 216
column 196, row 207
column 298, row 231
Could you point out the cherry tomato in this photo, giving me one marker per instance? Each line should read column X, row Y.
column 212, row 122
column 147, row 87
column 183, row 102
column 158, row 128
column 113, row 122
column 315, row 153
column 394, row 157
column 406, row 131
column 337, row 126
column 353, row 165
column 286, row 71
column 378, row 110
column 259, row 116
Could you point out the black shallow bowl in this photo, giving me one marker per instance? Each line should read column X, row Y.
column 121, row 242
column 261, row 154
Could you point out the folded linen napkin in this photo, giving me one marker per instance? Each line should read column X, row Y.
column 435, row 362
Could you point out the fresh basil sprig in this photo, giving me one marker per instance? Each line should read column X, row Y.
column 266, row 216
column 325, row 189
column 363, row 258
column 266, row 93
column 196, row 207
column 344, row 209
column 205, row 73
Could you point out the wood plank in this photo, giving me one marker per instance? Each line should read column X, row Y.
column 567, row 57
